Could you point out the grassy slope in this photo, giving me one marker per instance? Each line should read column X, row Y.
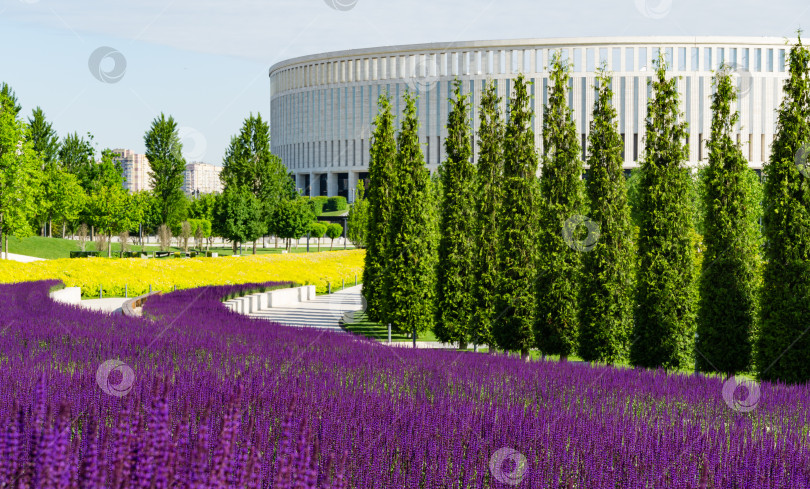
column 377, row 331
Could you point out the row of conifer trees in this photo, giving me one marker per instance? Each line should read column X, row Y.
column 490, row 254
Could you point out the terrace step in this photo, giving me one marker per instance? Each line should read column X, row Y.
column 320, row 312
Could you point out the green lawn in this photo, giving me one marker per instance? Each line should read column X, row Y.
column 344, row 212
column 53, row 248
column 377, row 331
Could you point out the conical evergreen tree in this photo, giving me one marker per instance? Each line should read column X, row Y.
column 561, row 193
column 727, row 304
column 783, row 346
column 518, row 232
column 663, row 333
column 382, row 158
column 410, row 272
column 456, row 274
column 607, row 294
column 489, row 178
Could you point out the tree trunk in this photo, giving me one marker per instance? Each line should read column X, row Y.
column 254, row 246
column 5, row 238
column 276, row 242
column 64, row 229
column 50, row 227
column 332, row 245
column 109, row 244
column 234, row 247
column 524, row 355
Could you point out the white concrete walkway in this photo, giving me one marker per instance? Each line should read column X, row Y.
column 113, row 304
column 20, row 258
column 324, row 312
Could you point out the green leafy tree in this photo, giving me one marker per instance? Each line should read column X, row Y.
column 561, row 190
column 333, row 231
column 19, row 163
column 164, row 152
column 358, row 218
column 43, row 137
column 381, row 166
column 9, row 98
column 77, row 156
column 783, row 346
column 292, row 219
column 69, row 199
column 488, row 194
column 249, row 163
column 517, row 289
column 456, row 277
column 238, row 216
column 410, row 271
column 607, row 293
column 317, row 230
column 202, row 207
column 663, row 333
column 109, row 203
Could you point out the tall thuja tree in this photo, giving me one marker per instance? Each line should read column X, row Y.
column 783, row 344
column 663, row 333
column 488, row 196
column 455, row 273
column 559, row 262
column 607, row 295
column 164, row 152
column 410, row 262
column 516, row 304
column 727, row 306
column 383, row 155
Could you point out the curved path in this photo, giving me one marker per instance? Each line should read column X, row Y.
column 326, row 311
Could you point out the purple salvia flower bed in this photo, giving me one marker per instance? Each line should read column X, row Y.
column 199, row 396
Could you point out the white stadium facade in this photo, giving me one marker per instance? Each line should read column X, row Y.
column 322, row 105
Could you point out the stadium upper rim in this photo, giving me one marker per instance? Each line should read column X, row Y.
column 562, row 42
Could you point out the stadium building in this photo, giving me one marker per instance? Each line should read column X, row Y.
column 322, row 105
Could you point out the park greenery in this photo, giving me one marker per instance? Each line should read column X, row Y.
column 67, row 183
column 559, row 251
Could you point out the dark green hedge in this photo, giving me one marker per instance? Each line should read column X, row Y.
column 336, row 204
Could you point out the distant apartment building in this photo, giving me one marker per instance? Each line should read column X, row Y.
column 201, row 178
column 136, row 170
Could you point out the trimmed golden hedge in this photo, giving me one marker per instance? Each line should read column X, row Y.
column 317, row 269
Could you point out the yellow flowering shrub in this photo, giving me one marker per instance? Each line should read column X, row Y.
column 113, row 274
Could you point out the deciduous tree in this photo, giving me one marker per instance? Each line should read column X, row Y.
column 164, row 152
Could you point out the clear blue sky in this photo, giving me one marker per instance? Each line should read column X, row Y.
column 205, row 62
